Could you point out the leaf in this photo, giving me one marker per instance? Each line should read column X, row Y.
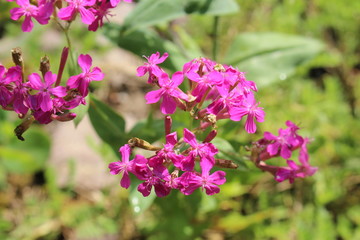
column 138, row 202
column 152, row 12
column 109, row 125
column 144, row 42
column 269, row 57
column 227, row 152
column 212, row 7
column 28, row 156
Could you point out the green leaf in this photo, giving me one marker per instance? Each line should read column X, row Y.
column 269, row 57
column 28, row 156
column 144, row 42
column 109, row 125
column 152, row 12
column 227, row 152
column 138, row 202
column 80, row 111
column 213, row 7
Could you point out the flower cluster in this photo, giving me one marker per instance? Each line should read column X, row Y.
column 224, row 89
column 92, row 12
column 42, row 95
column 283, row 145
column 215, row 92
column 180, row 156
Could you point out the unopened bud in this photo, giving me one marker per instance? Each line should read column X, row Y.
column 64, row 117
column 210, row 136
column 44, row 65
column 168, row 124
column 137, row 142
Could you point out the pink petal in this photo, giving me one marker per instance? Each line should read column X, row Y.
column 66, row 13
column 73, row 81
column 218, row 178
column 190, row 138
column 154, row 96
column 125, row 180
column 49, row 79
column 168, row 105
column 35, row 81
column 59, row 91
column 141, row 71
column 85, row 62
column 46, row 103
column 177, row 78
column 115, row 168
column 97, row 74
column 16, row 13
column 125, row 153
column 211, row 189
column 250, row 126
column 27, row 25
column 87, row 16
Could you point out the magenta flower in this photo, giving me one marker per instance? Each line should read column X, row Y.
column 46, row 90
column 41, row 13
column 125, row 166
column 190, row 181
column 82, row 81
column 287, row 141
column 100, row 11
column 156, row 178
column 250, row 108
column 5, row 94
column 78, row 6
column 151, row 66
column 206, row 152
column 168, row 91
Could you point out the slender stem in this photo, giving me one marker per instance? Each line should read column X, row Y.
column 215, row 35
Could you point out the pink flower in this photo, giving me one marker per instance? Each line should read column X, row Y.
column 191, row 181
column 5, row 94
column 151, row 66
column 206, row 152
column 46, row 90
column 168, row 91
column 82, row 81
column 100, row 11
column 250, row 108
column 157, row 178
column 41, row 13
column 123, row 166
column 78, row 6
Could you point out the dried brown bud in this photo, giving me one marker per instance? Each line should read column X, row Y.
column 44, row 65
column 137, row 142
column 17, row 57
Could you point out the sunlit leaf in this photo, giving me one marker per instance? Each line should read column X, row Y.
column 269, row 57
column 144, row 42
column 108, row 124
column 147, row 12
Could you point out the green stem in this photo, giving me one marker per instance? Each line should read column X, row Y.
column 215, row 35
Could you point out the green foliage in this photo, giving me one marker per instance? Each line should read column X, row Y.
column 107, row 123
column 268, row 57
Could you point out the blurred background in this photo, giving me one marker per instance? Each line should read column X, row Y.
column 305, row 59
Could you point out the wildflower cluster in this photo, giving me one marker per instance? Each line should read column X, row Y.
column 215, row 92
column 225, row 90
column 42, row 94
column 92, row 12
column 283, row 145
